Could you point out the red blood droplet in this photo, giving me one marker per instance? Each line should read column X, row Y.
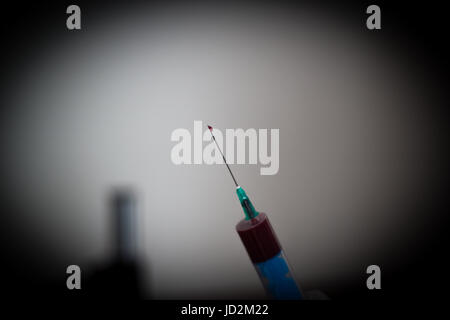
column 210, row 128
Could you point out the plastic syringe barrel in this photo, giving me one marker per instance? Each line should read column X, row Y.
column 267, row 256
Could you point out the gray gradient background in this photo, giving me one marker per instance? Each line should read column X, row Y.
column 97, row 111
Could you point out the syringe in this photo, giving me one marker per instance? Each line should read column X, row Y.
column 263, row 247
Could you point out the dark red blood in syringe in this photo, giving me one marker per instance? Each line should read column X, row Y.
column 258, row 238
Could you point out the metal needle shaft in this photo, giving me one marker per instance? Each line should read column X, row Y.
column 225, row 160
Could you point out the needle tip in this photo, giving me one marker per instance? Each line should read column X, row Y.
column 210, row 128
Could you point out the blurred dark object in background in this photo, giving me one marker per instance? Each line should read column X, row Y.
column 120, row 278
